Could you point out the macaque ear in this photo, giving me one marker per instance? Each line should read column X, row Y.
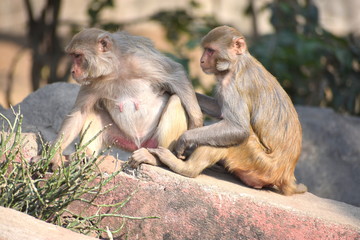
column 239, row 45
column 104, row 43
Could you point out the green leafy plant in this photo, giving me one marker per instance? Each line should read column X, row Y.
column 31, row 189
column 314, row 66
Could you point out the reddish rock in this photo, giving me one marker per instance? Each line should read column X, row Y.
column 15, row 225
column 28, row 145
column 216, row 206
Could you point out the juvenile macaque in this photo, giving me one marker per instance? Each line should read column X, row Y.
column 259, row 135
column 126, row 83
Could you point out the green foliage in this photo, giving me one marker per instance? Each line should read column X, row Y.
column 31, row 189
column 314, row 66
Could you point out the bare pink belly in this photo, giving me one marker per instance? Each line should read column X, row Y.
column 129, row 145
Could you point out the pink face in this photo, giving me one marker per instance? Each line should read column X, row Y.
column 78, row 66
column 208, row 60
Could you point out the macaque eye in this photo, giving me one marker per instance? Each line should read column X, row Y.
column 210, row 51
column 76, row 55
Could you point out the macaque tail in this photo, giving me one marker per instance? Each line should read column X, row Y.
column 300, row 188
column 290, row 189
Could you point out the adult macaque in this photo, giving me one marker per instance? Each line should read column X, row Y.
column 259, row 135
column 143, row 96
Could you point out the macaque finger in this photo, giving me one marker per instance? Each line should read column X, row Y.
column 140, row 156
column 132, row 163
column 179, row 151
column 181, row 146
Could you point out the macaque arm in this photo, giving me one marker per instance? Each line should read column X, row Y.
column 209, row 105
column 181, row 86
column 74, row 121
column 220, row 134
column 71, row 127
column 232, row 130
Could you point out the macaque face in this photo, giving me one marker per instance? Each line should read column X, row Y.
column 92, row 55
column 222, row 49
column 79, row 67
column 208, row 60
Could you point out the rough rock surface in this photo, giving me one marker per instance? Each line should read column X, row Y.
column 217, row 206
column 330, row 160
column 329, row 164
column 20, row 226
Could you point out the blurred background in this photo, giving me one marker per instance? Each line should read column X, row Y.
column 311, row 46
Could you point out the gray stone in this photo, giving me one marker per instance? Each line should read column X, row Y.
column 330, row 161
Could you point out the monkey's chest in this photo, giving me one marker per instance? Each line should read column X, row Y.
column 137, row 117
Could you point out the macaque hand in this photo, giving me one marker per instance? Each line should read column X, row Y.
column 140, row 156
column 59, row 160
column 180, row 147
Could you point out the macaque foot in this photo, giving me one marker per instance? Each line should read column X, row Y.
column 140, row 156
column 161, row 152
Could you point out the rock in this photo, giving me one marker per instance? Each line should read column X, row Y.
column 330, row 160
column 45, row 109
column 15, row 225
column 28, row 145
column 217, row 206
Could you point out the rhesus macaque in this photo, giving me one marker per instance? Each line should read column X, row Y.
column 259, row 135
column 126, row 83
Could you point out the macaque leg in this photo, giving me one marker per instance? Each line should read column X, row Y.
column 202, row 157
column 253, row 166
column 94, row 123
column 100, row 121
column 172, row 124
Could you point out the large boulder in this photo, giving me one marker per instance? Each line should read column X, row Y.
column 45, row 109
column 330, row 161
column 20, row 226
column 215, row 205
column 329, row 164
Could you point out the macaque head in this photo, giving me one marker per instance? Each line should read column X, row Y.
column 92, row 54
column 222, row 48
